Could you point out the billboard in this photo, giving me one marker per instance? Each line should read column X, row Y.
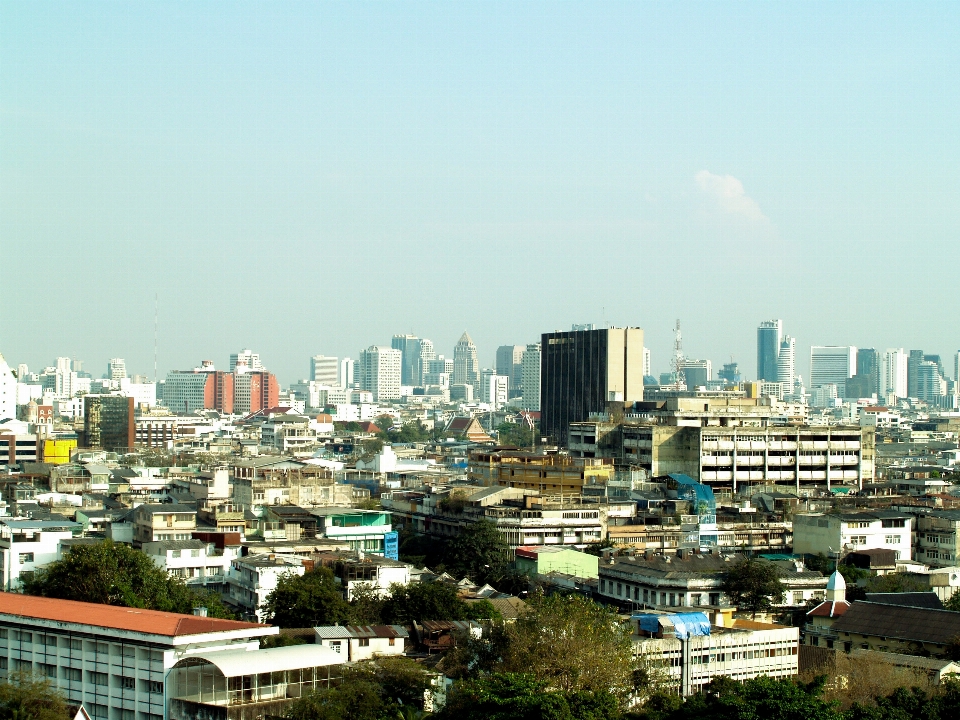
column 391, row 545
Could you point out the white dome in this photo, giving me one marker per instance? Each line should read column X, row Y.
column 836, row 582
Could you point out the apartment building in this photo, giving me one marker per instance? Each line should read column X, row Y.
column 251, row 579
column 830, row 534
column 666, row 535
column 691, row 580
column 134, row 664
column 154, row 522
column 736, row 457
column 371, row 572
column 938, row 539
column 363, row 530
column 199, row 563
column 277, row 481
column 28, row 545
column 547, row 474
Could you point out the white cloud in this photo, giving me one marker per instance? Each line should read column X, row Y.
column 727, row 192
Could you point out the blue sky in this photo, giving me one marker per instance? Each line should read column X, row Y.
column 307, row 178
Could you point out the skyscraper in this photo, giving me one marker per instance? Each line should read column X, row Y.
column 8, row 392
column 466, row 368
column 347, row 372
column 108, row 422
column 730, row 373
column 769, row 337
column 913, row 371
column 832, row 364
column 427, row 353
column 530, row 377
column 930, row 385
column 593, row 371
column 116, row 369
column 893, row 374
column 697, row 373
column 510, row 363
column 409, row 347
column 380, row 369
column 787, row 362
column 323, row 369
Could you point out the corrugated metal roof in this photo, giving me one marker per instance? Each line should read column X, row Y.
column 337, row 632
column 903, row 623
column 236, row 663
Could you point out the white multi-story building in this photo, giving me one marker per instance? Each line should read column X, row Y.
column 893, row 374
column 116, row 369
column 251, row 579
column 787, row 362
column 494, row 389
column 380, row 372
column 8, row 392
column 832, row 365
column 28, row 545
column 245, row 357
column 134, row 664
column 815, row 533
column 323, row 370
column 347, row 372
column 530, row 373
column 646, row 361
column 197, row 562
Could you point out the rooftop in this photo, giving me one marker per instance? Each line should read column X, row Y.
column 150, row 622
column 903, row 623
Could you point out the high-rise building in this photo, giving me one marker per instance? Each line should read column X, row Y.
column 409, row 347
column 254, row 390
column 593, row 371
column 730, row 373
column 787, row 362
column 379, row 371
column 494, row 389
column 930, row 384
column 530, row 377
column 697, row 373
column 203, row 388
column 769, row 337
column 913, row 371
column 323, row 369
column 245, row 357
column 108, row 422
column 440, row 364
column 893, row 374
column 956, row 367
column 347, row 373
column 8, row 392
column 866, row 382
column 466, row 367
column 427, row 353
column 510, row 364
column 646, row 362
column 832, row 365
column 116, row 369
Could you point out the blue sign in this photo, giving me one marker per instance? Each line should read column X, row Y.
column 391, row 545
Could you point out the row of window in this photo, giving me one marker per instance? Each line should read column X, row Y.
column 42, row 640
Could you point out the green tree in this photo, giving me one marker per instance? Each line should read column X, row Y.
column 482, row 610
column 112, row 574
column 515, row 434
column 307, row 600
column 953, row 603
column 753, row 585
column 423, row 601
column 479, row 552
column 24, row 696
column 366, row 605
column 898, row 582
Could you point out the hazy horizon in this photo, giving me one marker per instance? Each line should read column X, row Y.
column 312, row 178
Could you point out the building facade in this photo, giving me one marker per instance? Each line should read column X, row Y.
column 380, row 372
column 769, row 337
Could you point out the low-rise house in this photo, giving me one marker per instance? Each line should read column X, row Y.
column 894, row 628
column 938, row 539
column 362, row 642
column 818, row 630
column 364, row 530
column 371, row 572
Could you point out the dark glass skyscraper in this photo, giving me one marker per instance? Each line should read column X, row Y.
column 108, row 422
column 768, row 349
column 587, row 371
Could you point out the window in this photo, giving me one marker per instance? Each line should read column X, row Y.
column 364, row 642
column 858, row 539
column 393, row 641
column 892, row 539
column 4, row 633
column 26, row 557
column 3, row 663
column 23, row 637
column 76, row 644
column 335, row 645
column 23, row 665
column 97, row 678
column 127, row 683
column 71, row 674
column 49, row 671
column 152, row 686
column 98, row 711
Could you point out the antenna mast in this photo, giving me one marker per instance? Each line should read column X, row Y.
column 678, row 359
column 156, row 323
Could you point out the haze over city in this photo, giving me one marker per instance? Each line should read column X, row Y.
column 314, row 178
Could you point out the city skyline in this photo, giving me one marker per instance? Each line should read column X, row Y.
column 621, row 164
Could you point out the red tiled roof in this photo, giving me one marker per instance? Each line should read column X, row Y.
column 830, row 608
column 151, row 622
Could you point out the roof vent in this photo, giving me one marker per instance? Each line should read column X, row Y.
column 200, row 611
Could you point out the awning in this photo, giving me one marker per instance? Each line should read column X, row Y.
column 236, row 663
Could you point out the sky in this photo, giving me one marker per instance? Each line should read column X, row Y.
column 312, row 178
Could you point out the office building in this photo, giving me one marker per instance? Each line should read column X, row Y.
column 323, row 369
column 893, row 374
column 116, row 369
column 347, row 373
column 466, row 367
column 439, row 365
column 646, row 362
column 913, row 368
column 410, row 361
column 108, row 422
column 427, row 354
column 930, row 385
column 245, row 357
column 203, row 388
column 697, row 373
column 868, row 366
column 787, row 362
column 832, row 365
column 8, row 392
column 254, row 390
column 510, row 364
column 380, row 372
column 769, row 337
column 494, row 389
column 530, row 377
column 593, row 371
column 730, row 373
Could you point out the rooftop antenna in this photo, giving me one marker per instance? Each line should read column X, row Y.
column 678, row 359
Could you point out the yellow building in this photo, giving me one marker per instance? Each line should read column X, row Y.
column 57, row 451
column 549, row 474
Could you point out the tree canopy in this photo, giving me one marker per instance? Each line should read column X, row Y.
column 113, row 574
column 753, row 585
column 307, row 600
column 24, row 696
